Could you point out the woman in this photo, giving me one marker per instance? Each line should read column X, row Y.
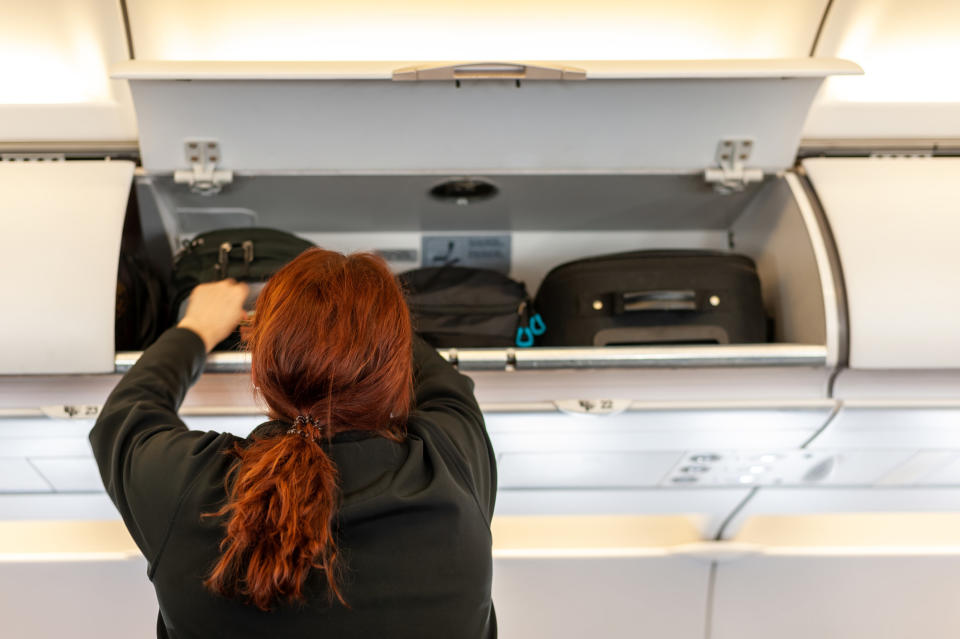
column 362, row 509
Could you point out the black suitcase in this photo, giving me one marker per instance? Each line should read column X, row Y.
column 249, row 255
column 653, row 297
column 454, row 306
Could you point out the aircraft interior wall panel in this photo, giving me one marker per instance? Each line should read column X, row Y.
column 894, row 223
column 351, row 126
column 95, row 599
column 235, row 391
column 55, row 83
column 807, row 501
column 855, row 597
column 918, row 427
column 706, row 509
column 65, row 243
column 906, row 50
column 57, row 507
column 606, row 597
column 769, row 230
column 432, row 30
column 362, row 206
column 892, row 385
column 841, row 575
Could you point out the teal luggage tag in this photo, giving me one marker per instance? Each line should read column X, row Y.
column 537, row 327
column 524, row 337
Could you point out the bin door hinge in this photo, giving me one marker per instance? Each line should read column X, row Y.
column 730, row 172
column 203, row 177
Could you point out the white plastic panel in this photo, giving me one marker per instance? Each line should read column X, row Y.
column 806, row 501
column 92, row 570
column 107, row 599
column 57, row 507
column 603, row 573
column 19, row 476
column 706, row 508
column 895, row 221
column 583, row 470
column 70, row 474
column 354, row 125
column 908, row 51
column 638, row 430
column 616, row 597
column 907, row 427
column 785, row 468
column 54, row 83
column 859, row 577
column 886, row 385
column 430, row 29
column 855, row 597
column 61, row 228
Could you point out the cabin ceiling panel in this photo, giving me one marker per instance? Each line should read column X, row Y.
column 490, row 30
column 54, row 81
column 909, row 53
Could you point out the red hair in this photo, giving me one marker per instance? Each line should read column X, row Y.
column 331, row 341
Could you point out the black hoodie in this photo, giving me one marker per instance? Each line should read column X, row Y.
column 413, row 527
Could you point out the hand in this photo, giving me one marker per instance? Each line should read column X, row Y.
column 214, row 310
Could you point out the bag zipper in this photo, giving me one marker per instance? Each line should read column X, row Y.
column 475, row 309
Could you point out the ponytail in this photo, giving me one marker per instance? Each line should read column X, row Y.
column 281, row 501
column 331, row 338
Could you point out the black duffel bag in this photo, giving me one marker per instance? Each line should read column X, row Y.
column 249, row 255
column 653, row 297
column 454, row 306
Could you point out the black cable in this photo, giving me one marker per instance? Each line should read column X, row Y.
column 711, row 589
column 126, row 26
column 823, row 21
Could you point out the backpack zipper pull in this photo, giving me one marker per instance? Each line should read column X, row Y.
column 223, row 258
column 247, row 257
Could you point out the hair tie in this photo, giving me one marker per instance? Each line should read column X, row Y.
column 299, row 428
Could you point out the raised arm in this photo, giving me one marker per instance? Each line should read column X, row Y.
column 146, row 455
column 444, row 397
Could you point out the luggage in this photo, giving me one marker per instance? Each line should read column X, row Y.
column 141, row 307
column 653, row 297
column 246, row 254
column 454, row 306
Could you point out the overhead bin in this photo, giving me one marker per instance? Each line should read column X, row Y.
column 851, row 576
column 346, row 154
column 906, row 51
column 344, row 117
column 894, row 222
column 604, row 570
column 62, row 225
column 91, row 569
column 55, row 91
column 567, row 577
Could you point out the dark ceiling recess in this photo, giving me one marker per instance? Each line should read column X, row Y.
column 464, row 191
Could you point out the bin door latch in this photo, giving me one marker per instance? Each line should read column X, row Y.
column 512, row 71
column 203, row 177
column 730, row 173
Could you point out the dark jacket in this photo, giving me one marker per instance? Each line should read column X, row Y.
column 413, row 525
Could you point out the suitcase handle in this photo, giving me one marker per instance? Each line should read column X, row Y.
column 223, row 257
column 642, row 301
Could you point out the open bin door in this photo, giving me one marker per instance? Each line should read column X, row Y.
column 62, row 224
column 273, row 117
